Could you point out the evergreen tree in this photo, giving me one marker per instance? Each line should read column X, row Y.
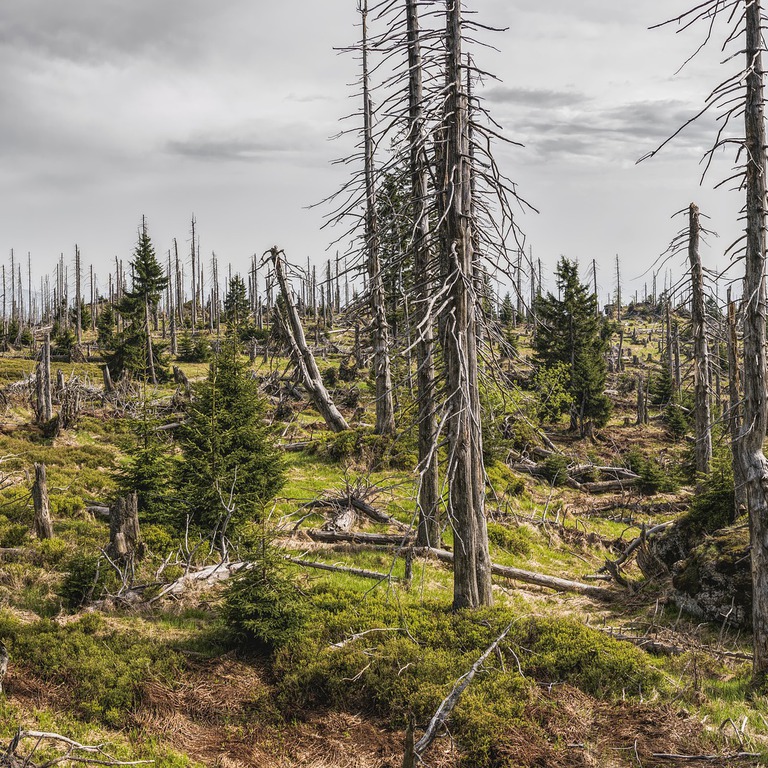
column 572, row 333
column 230, row 467
column 134, row 348
column 236, row 306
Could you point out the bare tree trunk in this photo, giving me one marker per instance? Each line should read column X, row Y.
column 305, row 360
column 43, row 382
column 385, row 410
column 124, row 534
column 78, row 299
column 43, row 522
column 734, row 411
column 642, row 415
column 702, row 416
column 429, row 491
column 754, row 425
column 150, row 352
column 466, row 491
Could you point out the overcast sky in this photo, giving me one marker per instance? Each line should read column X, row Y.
column 224, row 108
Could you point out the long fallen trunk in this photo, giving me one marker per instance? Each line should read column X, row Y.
column 375, row 575
column 305, row 360
column 376, row 539
column 529, row 577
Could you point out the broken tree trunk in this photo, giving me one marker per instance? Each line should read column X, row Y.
column 124, row 534
column 305, row 360
column 43, row 523
column 352, row 537
column 44, row 399
column 703, row 428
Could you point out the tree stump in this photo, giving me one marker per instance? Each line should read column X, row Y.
column 124, row 534
column 43, row 523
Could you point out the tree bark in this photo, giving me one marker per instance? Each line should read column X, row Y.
column 734, row 412
column 43, row 382
column 466, row 487
column 43, row 522
column 305, row 360
column 429, row 492
column 385, row 410
column 753, row 428
column 703, row 449
column 124, row 534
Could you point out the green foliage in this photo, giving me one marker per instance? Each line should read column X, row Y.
column 676, row 420
column 402, row 675
column 99, row 671
column 236, row 306
column 653, row 477
column 503, row 480
column 137, row 306
column 554, row 469
column 571, row 333
column 551, row 385
column 514, row 539
column 263, row 609
column 712, row 508
column 194, row 349
column 106, row 328
column 375, row 451
column 230, row 467
column 86, row 577
column 148, row 471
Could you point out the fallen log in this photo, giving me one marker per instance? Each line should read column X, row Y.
column 376, row 539
column 610, row 486
column 342, row 569
column 211, row 574
column 529, row 577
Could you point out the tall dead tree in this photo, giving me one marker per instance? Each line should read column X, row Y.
column 385, row 409
column 78, row 299
column 305, row 360
column 43, row 396
column 429, row 491
column 43, row 523
column 703, row 428
column 734, row 410
column 743, row 94
column 458, row 332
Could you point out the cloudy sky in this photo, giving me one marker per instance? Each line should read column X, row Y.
column 116, row 108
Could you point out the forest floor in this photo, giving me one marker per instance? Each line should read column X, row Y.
column 160, row 681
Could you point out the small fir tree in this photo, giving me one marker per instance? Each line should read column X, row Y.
column 570, row 332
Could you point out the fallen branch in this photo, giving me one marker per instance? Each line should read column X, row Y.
column 375, row 539
column 645, row 534
column 529, row 577
column 448, row 703
column 342, row 569
column 211, row 574
column 12, row 760
column 705, row 758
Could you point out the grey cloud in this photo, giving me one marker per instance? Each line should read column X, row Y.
column 533, row 97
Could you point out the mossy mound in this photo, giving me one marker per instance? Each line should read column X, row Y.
column 714, row 581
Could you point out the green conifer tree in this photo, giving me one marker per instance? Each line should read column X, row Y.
column 230, row 468
column 571, row 332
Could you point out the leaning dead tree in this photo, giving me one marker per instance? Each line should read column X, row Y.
column 742, row 95
column 304, row 359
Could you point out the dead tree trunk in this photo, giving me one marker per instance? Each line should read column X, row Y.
column 734, row 411
column 466, row 489
column 43, row 523
column 385, row 410
column 642, row 413
column 305, row 360
column 44, row 399
column 703, row 449
column 124, row 535
column 754, row 425
column 429, row 493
